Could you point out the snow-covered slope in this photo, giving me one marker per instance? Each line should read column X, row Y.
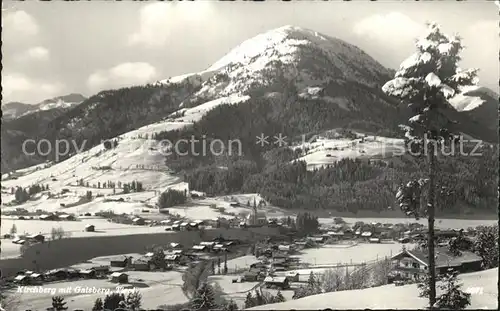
column 480, row 104
column 136, row 157
column 391, row 297
column 333, row 146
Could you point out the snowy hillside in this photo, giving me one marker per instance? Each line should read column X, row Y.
column 134, row 158
column 333, row 146
column 391, row 297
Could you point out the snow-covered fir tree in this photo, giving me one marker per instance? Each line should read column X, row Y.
column 425, row 82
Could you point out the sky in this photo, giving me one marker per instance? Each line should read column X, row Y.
column 56, row 48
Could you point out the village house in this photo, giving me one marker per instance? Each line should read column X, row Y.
column 280, row 282
column 176, row 259
column 318, row 239
column 88, row 274
column 22, row 279
column 67, row 217
column 258, row 266
column 285, row 248
column 366, row 235
column 193, row 226
column 72, row 273
column 175, row 245
column 175, row 228
column 177, row 222
column 138, row 221
column 413, row 264
column 90, row 228
column 292, row 276
column 199, row 248
column 119, row 277
column 50, row 217
column 35, row 238
column 143, row 264
column 219, row 248
column 336, row 235
column 251, row 276
column 121, row 263
column 209, row 245
column 56, row 274
column 101, row 270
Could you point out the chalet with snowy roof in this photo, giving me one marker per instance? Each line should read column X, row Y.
column 49, row 217
column 280, row 282
column 366, row 235
column 184, row 226
column 219, row 248
column 199, row 248
column 67, row 217
column 35, row 238
column 119, row 277
column 413, row 264
column 88, row 274
column 89, row 228
column 22, row 279
column 138, row 221
column 209, row 245
column 122, row 263
column 143, row 264
column 293, row 276
column 285, row 248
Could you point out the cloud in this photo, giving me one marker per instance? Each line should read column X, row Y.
column 392, row 28
column 19, row 87
column 158, row 20
column 19, row 23
column 481, row 50
column 38, row 53
column 122, row 75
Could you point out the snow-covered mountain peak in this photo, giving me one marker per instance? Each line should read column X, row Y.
column 287, row 44
column 279, row 56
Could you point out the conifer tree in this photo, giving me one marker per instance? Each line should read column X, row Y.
column 204, row 298
column 425, row 82
column 58, row 303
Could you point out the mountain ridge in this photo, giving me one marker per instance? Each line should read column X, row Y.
column 288, row 84
column 13, row 110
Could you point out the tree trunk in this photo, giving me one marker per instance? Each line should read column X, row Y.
column 430, row 214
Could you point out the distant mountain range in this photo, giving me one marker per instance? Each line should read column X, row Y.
column 13, row 110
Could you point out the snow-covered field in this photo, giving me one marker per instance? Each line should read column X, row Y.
column 73, row 228
column 327, row 150
column 392, row 297
column 136, row 158
column 440, row 223
column 156, row 288
column 76, row 228
column 360, row 253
